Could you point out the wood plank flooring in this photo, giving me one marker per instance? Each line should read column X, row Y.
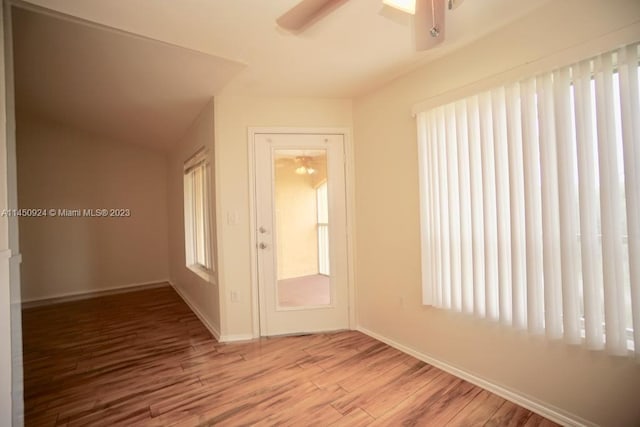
column 144, row 359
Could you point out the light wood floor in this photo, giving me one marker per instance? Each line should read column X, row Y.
column 144, row 359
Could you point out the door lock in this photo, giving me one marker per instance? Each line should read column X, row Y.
column 262, row 230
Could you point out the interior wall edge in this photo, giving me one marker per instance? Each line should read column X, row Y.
column 200, row 294
column 541, row 408
column 215, row 331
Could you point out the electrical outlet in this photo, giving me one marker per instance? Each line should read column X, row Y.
column 234, row 296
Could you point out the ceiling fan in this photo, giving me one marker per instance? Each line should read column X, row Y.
column 429, row 19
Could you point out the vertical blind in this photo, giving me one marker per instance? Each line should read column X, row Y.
column 531, row 203
column 196, row 212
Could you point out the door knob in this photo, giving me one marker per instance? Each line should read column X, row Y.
column 262, row 230
column 262, row 246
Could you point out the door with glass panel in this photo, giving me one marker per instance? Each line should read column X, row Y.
column 301, row 233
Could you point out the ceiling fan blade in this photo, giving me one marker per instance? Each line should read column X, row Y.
column 306, row 12
column 429, row 23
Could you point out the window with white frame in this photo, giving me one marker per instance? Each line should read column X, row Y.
column 322, row 204
column 530, row 204
column 196, row 215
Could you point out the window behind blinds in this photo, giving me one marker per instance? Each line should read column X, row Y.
column 196, row 213
column 531, row 203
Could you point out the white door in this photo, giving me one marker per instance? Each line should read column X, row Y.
column 301, row 231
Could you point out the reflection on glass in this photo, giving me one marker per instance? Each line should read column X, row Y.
column 302, row 228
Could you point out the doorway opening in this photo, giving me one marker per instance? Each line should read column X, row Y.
column 301, row 253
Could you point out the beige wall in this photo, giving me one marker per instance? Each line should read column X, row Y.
column 296, row 219
column 61, row 168
column 598, row 388
column 234, row 115
column 201, row 294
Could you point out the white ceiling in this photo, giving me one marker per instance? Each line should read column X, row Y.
column 359, row 46
column 140, row 70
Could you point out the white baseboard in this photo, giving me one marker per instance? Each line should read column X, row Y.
column 554, row 414
column 76, row 296
column 18, row 408
column 214, row 331
column 236, row 337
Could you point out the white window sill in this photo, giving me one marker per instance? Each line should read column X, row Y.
column 205, row 274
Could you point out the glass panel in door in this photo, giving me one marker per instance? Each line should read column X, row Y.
column 302, row 228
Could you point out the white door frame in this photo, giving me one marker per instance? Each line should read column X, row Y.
column 257, row 301
column 11, row 382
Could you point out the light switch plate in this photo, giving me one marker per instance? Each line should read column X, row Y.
column 233, row 218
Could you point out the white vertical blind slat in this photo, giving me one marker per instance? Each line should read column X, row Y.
column 588, row 185
column 550, row 218
column 568, row 197
column 489, row 203
column 611, row 208
column 454, row 206
column 466, row 249
column 516, row 198
column 435, row 209
column 426, row 220
column 445, row 240
column 533, row 216
column 435, row 212
column 477, row 210
column 498, row 105
column 630, row 109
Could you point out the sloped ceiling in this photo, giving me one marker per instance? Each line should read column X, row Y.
column 128, row 88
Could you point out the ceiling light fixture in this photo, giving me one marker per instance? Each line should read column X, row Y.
column 408, row 6
column 304, row 168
